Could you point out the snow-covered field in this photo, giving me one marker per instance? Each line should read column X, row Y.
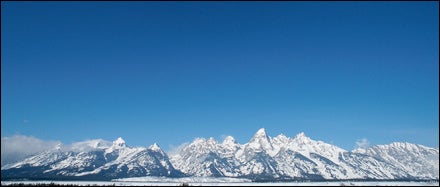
column 184, row 179
column 176, row 183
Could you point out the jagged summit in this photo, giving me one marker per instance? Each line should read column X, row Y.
column 260, row 133
column 403, row 145
column 155, row 147
column 119, row 142
column 229, row 140
column 260, row 141
column 263, row 157
column 301, row 137
column 88, row 160
column 297, row 157
column 58, row 146
column 281, row 139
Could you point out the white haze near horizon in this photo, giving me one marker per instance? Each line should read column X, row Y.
column 16, row 147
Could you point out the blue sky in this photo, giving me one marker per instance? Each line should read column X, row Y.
column 168, row 72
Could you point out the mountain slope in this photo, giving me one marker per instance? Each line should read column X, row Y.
column 416, row 160
column 284, row 158
column 95, row 160
column 263, row 158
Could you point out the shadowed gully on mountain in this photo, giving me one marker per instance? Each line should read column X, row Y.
column 263, row 158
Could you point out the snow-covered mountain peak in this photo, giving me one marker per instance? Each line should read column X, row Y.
column 229, row 140
column 59, row 146
column 202, row 144
column 301, row 135
column 119, row 142
column 155, row 147
column 404, row 145
column 302, row 138
column 260, row 141
column 261, row 133
column 280, row 141
column 230, row 143
column 263, row 157
column 282, row 138
column 198, row 140
column 417, row 160
column 211, row 140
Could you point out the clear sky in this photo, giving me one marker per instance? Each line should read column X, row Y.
column 169, row 72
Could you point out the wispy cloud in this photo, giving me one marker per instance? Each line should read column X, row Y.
column 176, row 149
column 362, row 143
column 18, row 147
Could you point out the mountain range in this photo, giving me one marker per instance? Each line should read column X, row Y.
column 263, row 158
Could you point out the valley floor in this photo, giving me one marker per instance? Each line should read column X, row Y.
column 116, row 183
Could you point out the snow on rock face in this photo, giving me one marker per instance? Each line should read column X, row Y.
column 229, row 146
column 416, row 160
column 261, row 133
column 260, row 141
column 95, row 159
column 263, row 157
column 197, row 158
column 118, row 145
column 302, row 138
column 284, row 157
column 229, row 141
column 155, row 147
column 119, row 142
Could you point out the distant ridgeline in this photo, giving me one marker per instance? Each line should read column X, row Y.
column 263, row 158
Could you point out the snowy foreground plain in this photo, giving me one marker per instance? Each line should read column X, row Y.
column 206, row 181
